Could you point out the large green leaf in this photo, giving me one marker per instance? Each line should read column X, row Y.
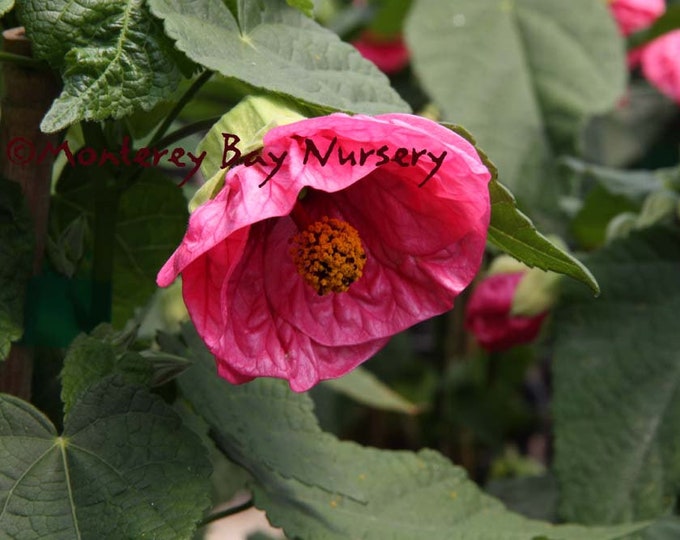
column 16, row 252
column 151, row 221
column 519, row 74
column 92, row 358
column 317, row 487
column 124, row 467
column 113, row 57
column 617, row 384
column 275, row 47
column 515, row 234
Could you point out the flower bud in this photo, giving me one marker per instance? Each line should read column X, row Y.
column 249, row 121
column 488, row 313
column 536, row 293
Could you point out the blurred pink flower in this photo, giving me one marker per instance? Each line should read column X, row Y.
column 487, row 314
column 661, row 64
column 389, row 54
column 634, row 15
column 309, row 275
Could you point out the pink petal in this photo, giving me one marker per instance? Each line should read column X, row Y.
column 423, row 244
column 634, row 15
column 661, row 64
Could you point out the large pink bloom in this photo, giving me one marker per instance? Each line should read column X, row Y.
column 634, row 15
column 487, row 314
column 423, row 245
column 661, row 64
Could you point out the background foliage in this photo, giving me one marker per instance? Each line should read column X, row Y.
column 130, row 431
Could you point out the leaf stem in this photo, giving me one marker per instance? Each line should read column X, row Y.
column 173, row 137
column 22, row 60
column 174, row 113
column 226, row 513
column 185, row 131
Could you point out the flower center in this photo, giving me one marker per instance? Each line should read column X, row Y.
column 328, row 255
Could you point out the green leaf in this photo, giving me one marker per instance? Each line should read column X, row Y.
column 92, row 358
column 515, row 234
column 67, row 250
column 635, row 185
column 16, row 250
column 5, row 6
column 125, row 467
column 666, row 528
column 113, row 57
column 306, row 6
column 617, row 384
column 532, row 496
column 389, row 17
column 315, row 486
column 249, row 121
column 522, row 75
column 151, row 221
column 365, row 388
column 277, row 48
column 589, row 226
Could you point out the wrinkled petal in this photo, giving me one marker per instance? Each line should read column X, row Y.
column 488, row 317
column 423, row 244
column 661, row 64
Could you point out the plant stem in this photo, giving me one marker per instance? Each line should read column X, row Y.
column 174, row 113
column 185, row 131
column 107, row 198
column 166, row 141
column 20, row 60
column 226, row 513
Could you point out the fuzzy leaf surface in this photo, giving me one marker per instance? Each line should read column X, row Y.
column 113, row 57
column 617, row 384
column 274, row 47
column 123, row 468
column 315, row 486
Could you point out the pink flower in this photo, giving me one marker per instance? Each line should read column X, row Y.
column 634, row 15
column 310, row 274
column 488, row 317
column 661, row 64
column 389, row 54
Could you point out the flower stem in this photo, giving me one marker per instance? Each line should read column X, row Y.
column 106, row 201
column 174, row 113
column 184, row 131
column 22, row 60
column 226, row 513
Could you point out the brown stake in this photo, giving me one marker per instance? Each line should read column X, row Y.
column 27, row 95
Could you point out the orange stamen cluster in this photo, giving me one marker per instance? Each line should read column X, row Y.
column 328, row 255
